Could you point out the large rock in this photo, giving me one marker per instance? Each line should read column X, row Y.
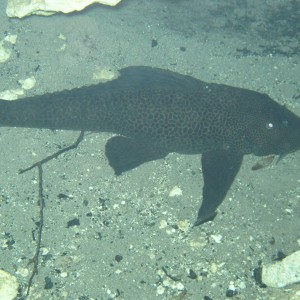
column 8, row 286
column 22, row 8
column 282, row 273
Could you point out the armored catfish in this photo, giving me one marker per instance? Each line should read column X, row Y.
column 156, row 111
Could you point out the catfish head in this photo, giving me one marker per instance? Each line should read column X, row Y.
column 275, row 130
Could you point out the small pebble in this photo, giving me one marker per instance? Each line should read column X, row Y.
column 217, row 238
column 64, row 274
column 11, row 38
column 154, row 43
column 44, row 251
column 28, row 83
column 163, row 224
column 183, row 225
column 23, row 272
column 213, row 267
column 160, row 290
column 179, row 286
column 118, row 258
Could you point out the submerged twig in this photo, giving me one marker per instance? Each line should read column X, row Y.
column 35, row 259
column 41, row 202
column 55, row 155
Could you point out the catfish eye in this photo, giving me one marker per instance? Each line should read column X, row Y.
column 269, row 125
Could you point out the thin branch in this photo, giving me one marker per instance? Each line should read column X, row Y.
column 41, row 202
column 35, row 259
column 54, row 155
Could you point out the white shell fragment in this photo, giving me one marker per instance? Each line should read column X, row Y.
column 282, row 273
column 22, row 8
column 8, row 286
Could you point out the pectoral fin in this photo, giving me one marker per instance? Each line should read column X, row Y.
column 125, row 154
column 219, row 170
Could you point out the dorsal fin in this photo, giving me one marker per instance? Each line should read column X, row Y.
column 140, row 76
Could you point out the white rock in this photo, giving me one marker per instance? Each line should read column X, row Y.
column 11, row 94
column 4, row 54
column 217, row 238
column 183, row 225
column 64, row 274
column 11, row 38
column 179, row 286
column 8, row 286
column 44, row 250
column 14, row 94
column 22, row 8
column 175, row 192
column 160, row 290
column 214, row 267
column 105, row 74
column 282, row 273
column 28, row 83
column 198, row 243
column 24, row 272
column 163, row 224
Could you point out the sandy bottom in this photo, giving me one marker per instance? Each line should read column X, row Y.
column 131, row 241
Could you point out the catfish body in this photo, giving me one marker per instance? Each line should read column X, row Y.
column 156, row 112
